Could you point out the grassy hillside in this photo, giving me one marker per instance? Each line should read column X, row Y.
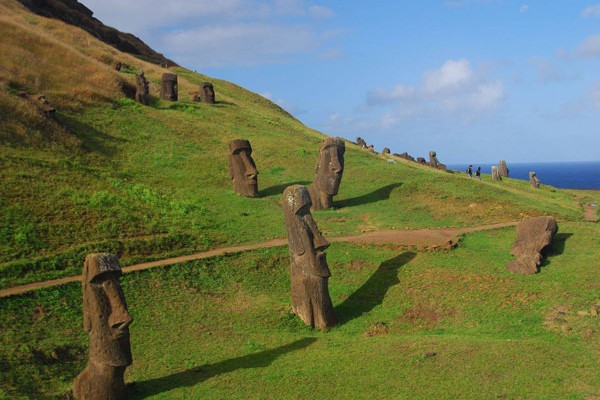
column 149, row 182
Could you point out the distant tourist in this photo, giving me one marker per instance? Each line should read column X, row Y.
column 478, row 173
column 470, row 171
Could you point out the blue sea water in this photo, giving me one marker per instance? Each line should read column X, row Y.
column 563, row 175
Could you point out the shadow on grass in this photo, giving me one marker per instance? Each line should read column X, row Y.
column 373, row 197
column 372, row 292
column 93, row 139
column 556, row 248
column 278, row 189
column 197, row 375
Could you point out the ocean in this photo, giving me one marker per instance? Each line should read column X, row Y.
column 563, row 175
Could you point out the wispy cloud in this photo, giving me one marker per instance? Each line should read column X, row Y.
column 590, row 47
column 546, row 71
column 591, row 11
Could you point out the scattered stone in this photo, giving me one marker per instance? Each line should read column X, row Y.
column 328, row 173
column 534, row 235
column 429, row 354
column 309, row 270
column 168, row 87
column 496, row 174
column 378, row 328
column 503, row 169
column 242, row 169
column 534, row 180
column 106, row 319
column 141, row 88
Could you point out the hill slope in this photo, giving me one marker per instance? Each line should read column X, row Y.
column 148, row 182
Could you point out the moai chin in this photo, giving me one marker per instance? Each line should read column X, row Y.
column 534, row 180
column 106, row 319
column 503, row 169
column 309, row 269
column 328, row 173
column 242, row 169
column 168, row 87
column 141, row 88
column 496, row 174
column 207, row 93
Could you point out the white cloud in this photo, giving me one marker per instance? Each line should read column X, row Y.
column 590, row 47
column 450, row 76
column 592, row 11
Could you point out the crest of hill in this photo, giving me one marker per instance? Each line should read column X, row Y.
column 151, row 182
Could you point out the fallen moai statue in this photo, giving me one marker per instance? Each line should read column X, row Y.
column 534, row 235
column 433, row 161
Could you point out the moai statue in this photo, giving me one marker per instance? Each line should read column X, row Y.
column 534, row 236
column 370, row 149
column 242, row 169
column 503, row 169
column 433, row 161
column 496, row 174
column 106, row 319
column 118, row 65
column 534, row 180
column 168, row 87
column 361, row 143
column 385, row 150
column 309, row 269
column 141, row 88
column 207, row 93
column 328, row 173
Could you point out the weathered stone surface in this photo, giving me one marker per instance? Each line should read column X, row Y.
column 385, row 150
column 328, row 173
column 107, row 320
column 168, row 87
column 207, row 93
column 242, row 169
column 534, row 180
column 370, row 149
column 405, row 156
column 141, row 88
column 433, row 161
column 309, row 270
column 496, row 174
column 534, row 235
column 361, row 142
column 503, row 169
column 421, row 160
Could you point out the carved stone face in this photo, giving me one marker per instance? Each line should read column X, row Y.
column 105, row 315
column 307, row 245
column 207, row 93
column 168, row 90
column 242, row 168
column 330, row 166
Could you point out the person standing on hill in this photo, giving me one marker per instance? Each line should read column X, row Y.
column 470, row 171
column 478, row 173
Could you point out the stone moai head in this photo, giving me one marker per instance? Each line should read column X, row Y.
column 207, row 93
column 361, row 142
column 309, row 269
column 496, row 174
column 106, row 319
column 534, row 180
column 141, row 88
column 328, row 173
column 168, row 87
column 385, row 150
column 534, row 237
column 434, row 162
column 242, row 169
column 503, row 169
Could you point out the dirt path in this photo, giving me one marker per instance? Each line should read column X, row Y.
column 589, row 212
column 416, row 238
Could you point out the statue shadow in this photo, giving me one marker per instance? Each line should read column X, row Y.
column 193, row 376
column 373, row 291
column 278, row 189
column 373, row 197
column 556, row 248
column 93, row 140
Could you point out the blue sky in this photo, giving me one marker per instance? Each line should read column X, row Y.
column 476, row 80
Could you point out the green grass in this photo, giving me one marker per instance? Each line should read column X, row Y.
column 413, row 325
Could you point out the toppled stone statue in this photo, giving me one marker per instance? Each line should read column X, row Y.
column 328, row 173
column 168, row 87
column 106, row 319
column 309, row 270
column 496, row 174
column 207, row 93
column 503, row 169
column 433, row 161
column 361, row 142
column 534, row 180
column 534, row 235
column 141, row 88
column 385, row 150
column 405, row 156
column 421, row 160
column 242, row 169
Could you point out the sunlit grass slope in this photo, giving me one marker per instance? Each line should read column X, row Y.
column 148, row 182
